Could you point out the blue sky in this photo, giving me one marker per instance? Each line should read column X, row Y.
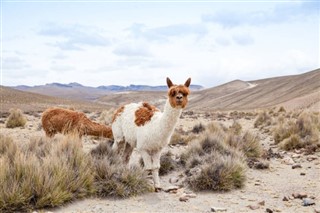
column 142, row 42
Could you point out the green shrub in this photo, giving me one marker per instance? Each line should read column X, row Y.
column 16, row 119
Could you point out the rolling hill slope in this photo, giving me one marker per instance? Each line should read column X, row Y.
column 239, row 95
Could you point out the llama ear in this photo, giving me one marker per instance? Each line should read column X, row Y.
column 169, row 82
column 187, row 84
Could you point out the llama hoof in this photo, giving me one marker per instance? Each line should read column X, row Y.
column 157, row 189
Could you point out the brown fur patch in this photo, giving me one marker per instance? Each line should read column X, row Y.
column 175, row 91
column 65, row 121
column 117, row 113
column 144, row 114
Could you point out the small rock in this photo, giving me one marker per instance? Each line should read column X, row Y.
column 269, row 210
column 183, row 198
column 296, row 165
column 253, row 207
column 191, row 195
column 261, row 165
column 285, row 198
column 300, row 195
column 303, row 173
column 262, row 203
column 296, row 156
column 311, row 158
column 218, row 209
column 287, row 161
column 173, row 180
column 308, row 202
column 171, row 188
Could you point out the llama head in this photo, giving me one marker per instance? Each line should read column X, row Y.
column 178, row 94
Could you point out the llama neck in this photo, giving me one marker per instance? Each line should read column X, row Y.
column 170, row 117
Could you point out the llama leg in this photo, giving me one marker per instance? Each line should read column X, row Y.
column 155, row 170
column 147, row 161
column 127, row 152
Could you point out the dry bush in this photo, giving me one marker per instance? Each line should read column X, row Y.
column 16, row 119
column 235, row 128
column 211, row 164
column 167, row 164
column 300, row 133
column 263, row 119
column 247, row 143
column 198, row 128
column 181, row 138
column 282, row 109
column 113, row 178
column 106, row 116
column 31, row 181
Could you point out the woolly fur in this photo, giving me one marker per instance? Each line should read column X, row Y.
column 65, row 121
column 143, row 127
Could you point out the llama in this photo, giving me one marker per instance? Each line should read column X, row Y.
column 65, row 121
column 143, row 128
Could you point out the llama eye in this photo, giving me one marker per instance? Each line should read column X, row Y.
column 173, row 93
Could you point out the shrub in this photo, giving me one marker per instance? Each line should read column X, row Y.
column 263, row 119
column 250, row 145
column 198, row 128
column 219, row 173
column 113, row 178
column 220, row 167
column 235, row 128
column 16, row 119
column 35, row 181
column 167, row 164
column 299, row 133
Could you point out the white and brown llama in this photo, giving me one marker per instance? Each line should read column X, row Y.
column 66, row 121
column 143, row 127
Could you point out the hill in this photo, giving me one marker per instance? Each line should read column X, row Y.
column 292, row 92
column 27, row 101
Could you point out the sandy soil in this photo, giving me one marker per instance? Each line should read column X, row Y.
column 263, row 189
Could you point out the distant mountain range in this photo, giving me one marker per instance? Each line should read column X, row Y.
column 292, row 92
column 78, row 91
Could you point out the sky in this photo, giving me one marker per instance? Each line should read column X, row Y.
column 105, row 42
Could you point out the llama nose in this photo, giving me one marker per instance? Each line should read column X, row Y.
column 179, row 97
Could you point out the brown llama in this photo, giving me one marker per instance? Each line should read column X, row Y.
column 66, row 121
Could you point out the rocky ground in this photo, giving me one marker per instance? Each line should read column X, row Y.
column 290, row 184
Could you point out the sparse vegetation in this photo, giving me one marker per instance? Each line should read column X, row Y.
column 113, row 178
column 263, row 119
column 214, row 165
column 198, row 128
column 32, row 181
column 298, row 133
column 49, row 173
column 167, row 164
column 16, row 119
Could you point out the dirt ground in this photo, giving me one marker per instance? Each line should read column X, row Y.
column 264, row 189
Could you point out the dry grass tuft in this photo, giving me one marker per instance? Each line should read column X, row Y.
column 113, row 178
column 16, row 119
column 211, row 164
column 198, row 128
column 298, row 133
column 167, row 164
column 31, row 181
column 263, row 119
